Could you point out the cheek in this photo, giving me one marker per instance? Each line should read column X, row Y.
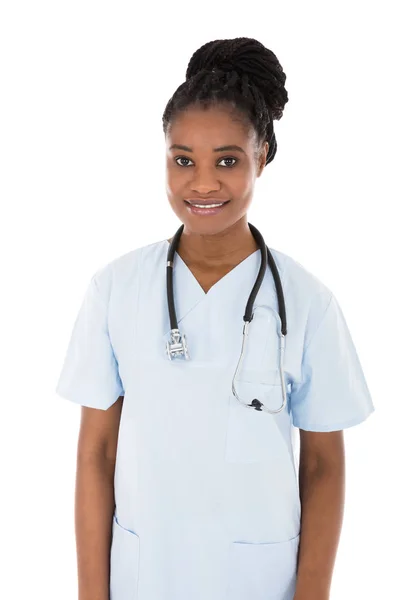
column 174, row 180
column 241, row 184
column 248, row 188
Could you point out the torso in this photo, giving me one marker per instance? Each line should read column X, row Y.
column 196, row 473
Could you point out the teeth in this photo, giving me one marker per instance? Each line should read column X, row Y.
column 207, row 205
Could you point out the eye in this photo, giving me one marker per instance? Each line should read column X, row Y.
column 231, row 158
column 227, row 158
column 181, row 158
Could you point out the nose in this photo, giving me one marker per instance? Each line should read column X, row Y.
column 204, row 181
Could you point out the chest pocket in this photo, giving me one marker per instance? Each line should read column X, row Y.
column 252, row 435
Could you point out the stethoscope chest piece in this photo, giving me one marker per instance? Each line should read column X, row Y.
column 177, row 346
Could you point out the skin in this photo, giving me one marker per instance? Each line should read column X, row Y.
column 210, row 246
column 213, row 245
column 94, row 498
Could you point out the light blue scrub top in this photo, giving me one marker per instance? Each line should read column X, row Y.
column 206, row 490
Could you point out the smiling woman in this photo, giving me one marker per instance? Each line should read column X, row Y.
column 208, row 503
column 219, row 134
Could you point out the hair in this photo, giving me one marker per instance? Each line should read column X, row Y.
column 240, row 73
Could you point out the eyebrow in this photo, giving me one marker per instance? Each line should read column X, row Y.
column 219, row 149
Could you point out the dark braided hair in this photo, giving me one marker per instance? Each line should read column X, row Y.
column 239, row 72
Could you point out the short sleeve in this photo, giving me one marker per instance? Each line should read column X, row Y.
column 89, row 375
column 333, row 393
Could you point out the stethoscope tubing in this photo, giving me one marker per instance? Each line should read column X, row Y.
column 178, row 346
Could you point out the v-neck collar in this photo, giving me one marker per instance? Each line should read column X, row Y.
column 182, row 265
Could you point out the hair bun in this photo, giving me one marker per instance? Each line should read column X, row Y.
column 245, row 56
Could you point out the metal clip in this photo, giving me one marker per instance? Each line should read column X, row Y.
column 177, row 345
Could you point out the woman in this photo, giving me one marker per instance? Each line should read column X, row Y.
column 206, row 503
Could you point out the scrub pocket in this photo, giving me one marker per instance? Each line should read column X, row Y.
column 262, row 571
column 251, row 434
column 124, row 563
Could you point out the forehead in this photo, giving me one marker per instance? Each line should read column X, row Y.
column 212, row 126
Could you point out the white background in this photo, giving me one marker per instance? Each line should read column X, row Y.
column 84, row 85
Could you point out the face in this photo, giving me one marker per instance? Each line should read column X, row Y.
column 211, row 155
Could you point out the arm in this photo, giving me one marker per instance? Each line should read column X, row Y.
column 94, row 498
column 321, row 480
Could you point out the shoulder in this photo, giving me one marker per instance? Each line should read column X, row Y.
column 298, row 278
column 123, row 270
column 303, row 290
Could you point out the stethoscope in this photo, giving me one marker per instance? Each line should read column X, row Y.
column 177, row 346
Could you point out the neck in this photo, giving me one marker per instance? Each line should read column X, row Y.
column 219, row 250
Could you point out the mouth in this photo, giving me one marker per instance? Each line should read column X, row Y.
column 211, row 206
column 211, row 203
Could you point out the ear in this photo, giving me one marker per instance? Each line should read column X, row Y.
column 263, row 158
